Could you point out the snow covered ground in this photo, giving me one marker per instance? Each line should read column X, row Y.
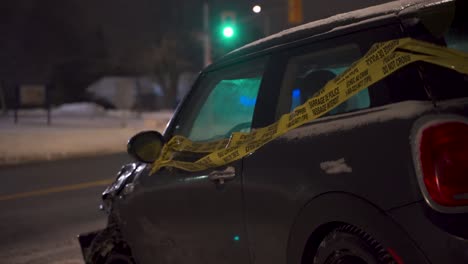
column 80, row 129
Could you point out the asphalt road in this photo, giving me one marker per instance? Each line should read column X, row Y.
column 43, row 206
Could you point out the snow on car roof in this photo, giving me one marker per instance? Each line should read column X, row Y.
column 394, row 7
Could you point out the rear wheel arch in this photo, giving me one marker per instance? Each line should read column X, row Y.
column 326, row 212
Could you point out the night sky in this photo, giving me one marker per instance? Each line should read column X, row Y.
column 38, row 35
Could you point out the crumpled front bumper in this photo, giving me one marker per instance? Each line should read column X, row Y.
column 85, row 241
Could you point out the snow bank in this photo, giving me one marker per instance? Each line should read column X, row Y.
column 71, row 134
column 71, row 109
column 79, row 109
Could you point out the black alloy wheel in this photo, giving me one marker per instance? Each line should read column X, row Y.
column 350, row 245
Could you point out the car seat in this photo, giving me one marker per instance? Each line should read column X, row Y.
column 313, row 82
column 316, row 80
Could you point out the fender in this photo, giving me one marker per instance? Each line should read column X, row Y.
column 327, row 211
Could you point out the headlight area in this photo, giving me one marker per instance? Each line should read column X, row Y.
column 126, row 175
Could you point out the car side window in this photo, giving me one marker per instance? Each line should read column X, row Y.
column 223, row 102
column 309, row 72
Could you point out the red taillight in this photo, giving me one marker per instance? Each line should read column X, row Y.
column 444, row 162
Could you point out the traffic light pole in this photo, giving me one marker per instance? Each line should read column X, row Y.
column 266, row 24
column 206, row 34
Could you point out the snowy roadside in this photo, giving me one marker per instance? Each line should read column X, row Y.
column 76, row 131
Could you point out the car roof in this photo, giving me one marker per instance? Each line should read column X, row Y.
column 333, row 23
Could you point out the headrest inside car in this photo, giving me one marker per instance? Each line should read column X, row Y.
column 314, row 81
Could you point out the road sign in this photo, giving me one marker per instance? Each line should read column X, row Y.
column 32, row 95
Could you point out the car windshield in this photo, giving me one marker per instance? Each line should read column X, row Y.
column 222, row 102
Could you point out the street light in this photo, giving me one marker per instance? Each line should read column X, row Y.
column 266, row 18
column 257, row 9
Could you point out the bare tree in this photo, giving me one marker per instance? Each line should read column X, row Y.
column 168, row 63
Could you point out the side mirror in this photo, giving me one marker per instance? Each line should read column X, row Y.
column 146, row 146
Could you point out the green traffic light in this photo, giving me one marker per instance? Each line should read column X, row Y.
column 228, row 31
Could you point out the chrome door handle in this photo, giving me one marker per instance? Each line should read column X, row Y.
column 222, row 175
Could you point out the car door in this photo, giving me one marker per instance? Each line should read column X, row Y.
column 183, row 217
column 282, row 176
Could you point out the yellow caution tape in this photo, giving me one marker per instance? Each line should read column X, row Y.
column 380, row 61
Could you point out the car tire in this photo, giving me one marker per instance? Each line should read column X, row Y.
column 350, row 245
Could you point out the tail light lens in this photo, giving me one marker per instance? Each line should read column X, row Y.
column 444, row 162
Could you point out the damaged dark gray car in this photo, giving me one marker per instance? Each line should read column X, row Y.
column 382, row 178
